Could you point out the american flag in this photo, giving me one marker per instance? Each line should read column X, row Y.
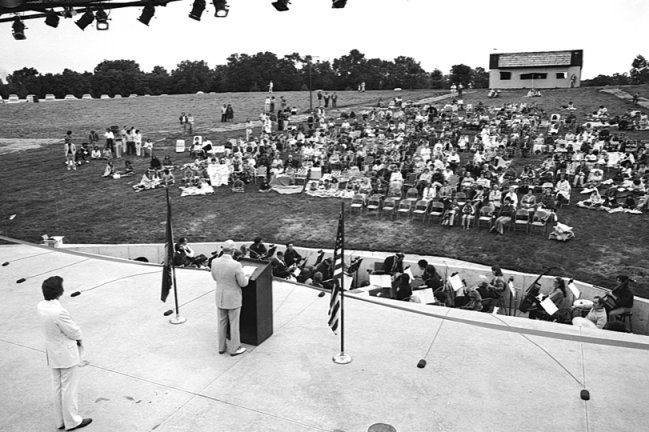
column 168, row 267
column 334, row 303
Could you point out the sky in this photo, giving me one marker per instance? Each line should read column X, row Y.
column 436, row 33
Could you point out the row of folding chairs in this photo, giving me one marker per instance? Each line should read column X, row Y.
column 434, row 211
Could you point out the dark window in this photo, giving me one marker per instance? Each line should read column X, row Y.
column 534, row 75
column 561, row 75
column 505, row 75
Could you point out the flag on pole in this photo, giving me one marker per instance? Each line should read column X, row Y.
column 334, row 303
column 168, row 267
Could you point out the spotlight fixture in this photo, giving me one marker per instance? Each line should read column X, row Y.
column 147, row 14
column 281, row 5
column 102, row 19
column 18, row 29
column 338, row 4
column 197, row 9
column 68, row 12
column 221, row 8
column 86, row 19
column 52, row 18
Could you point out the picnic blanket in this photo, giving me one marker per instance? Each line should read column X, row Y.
column 204, row 189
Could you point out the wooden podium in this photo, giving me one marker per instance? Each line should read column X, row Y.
column 256, row 323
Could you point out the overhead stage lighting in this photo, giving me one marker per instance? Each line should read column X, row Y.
column 18, row 29
column 52, row 18
column 339, row 4
column 102, row 19
column 221, row 8
column 147, row 14
column 86, row 19
column 281, row 5
column 197, row 9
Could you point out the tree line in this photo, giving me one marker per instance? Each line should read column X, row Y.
column 242, row 73
column 638, row 74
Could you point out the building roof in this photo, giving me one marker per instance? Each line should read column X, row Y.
column 536, row 59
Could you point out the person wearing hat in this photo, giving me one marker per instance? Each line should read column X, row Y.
column 230, row 278
column 62, row 345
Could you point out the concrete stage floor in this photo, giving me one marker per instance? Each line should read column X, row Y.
column 146, row 374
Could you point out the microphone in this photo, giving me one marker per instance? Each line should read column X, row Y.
column 169, row 312
column 6, row 263
column 21, row 280
column 75, row 294
column 421, row 364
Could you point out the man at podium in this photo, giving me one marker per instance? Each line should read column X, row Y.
column 230, row 278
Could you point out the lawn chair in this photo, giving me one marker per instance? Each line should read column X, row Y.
column 301, row 175
column 540, row 220
column 261, row 172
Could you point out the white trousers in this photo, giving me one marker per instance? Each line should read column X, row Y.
column 65, row 383
column 230, row 316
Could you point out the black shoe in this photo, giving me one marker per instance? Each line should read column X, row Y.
column 321, row 294
column 85, row 422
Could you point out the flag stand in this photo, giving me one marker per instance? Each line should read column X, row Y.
column 341, row 357
column 177, row 319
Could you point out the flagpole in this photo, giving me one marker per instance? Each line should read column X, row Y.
column 342, row 358
column 177, row 319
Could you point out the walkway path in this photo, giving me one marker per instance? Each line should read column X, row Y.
column 624, row 95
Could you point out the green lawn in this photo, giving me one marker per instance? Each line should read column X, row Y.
column 87, row 208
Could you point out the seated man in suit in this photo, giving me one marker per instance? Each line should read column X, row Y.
column 291, row 256
column 257, row 249
column 393, row 264
column 280, row 269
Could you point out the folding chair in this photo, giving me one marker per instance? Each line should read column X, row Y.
column 301, row 175
column 389, row 206
column 521, row 219
column 461, row 198
column 540, row 220
column 357, row 203
column 405, row 208
column 412, row 195
column 262, row 172
column 421, row 209
column 486, row 215
column 436, row 210
column 373, row 205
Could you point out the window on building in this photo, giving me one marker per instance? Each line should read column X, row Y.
column 505, row 75
column 534, row 76
column 561, row 75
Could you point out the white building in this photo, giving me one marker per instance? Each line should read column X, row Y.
column 547, row 69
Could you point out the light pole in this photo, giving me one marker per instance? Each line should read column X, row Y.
column 311, row 83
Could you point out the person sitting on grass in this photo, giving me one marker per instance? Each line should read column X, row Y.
column 167, row 178
column 149, row 181
column 107, row 153
column 95, row 153
column 563, row 189
column 593, row 202
column 109, row 170
column 155, row 163
column 167, row 163
column 505, row 215
column 127, row 171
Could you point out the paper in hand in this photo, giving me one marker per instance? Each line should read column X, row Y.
column 575, row 291
column 549, row 306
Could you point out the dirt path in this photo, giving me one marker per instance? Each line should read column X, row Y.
column 624, row 95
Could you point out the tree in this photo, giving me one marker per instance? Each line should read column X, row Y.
column 157, row 81
column 191, row 76
column 23, row 81
column 480, row 78
column 118, row 77
column 406, row 72
column 438, row 80
column 461, row 74
column 639, row 70
column 350, row 69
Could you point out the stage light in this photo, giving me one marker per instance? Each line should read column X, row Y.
column 18, row 29
column 52, row 18
column 281, row 5
column 147, row 14
column 339, row 4
column 197, row 9
column 86, row 19
column 69, row 12
column 102, row 19
column 221, row 8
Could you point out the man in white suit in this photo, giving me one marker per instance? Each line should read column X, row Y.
column 62, row 342
column 229, row 277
